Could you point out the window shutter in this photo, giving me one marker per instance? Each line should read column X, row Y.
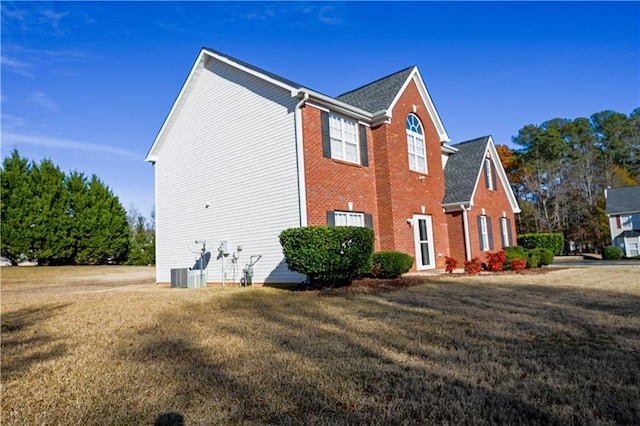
column 486, row 174
column 480, row 231
column 331, row 219
column 326, row 140
column 618, row 222
column 368, row 220
column 493, row 177
column 364, row 155
column 510, row 242
column 489, row 233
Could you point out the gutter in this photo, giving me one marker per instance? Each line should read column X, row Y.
column 302, row 190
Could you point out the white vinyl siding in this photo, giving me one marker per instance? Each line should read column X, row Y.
column 348, row 219
column 344, row 139
column 245, row 169
column 416, row 145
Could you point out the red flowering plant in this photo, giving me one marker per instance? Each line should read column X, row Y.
column 451, row 264
column 518, row 264
column 473, row 266
column 495, row 261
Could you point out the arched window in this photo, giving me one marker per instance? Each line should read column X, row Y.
column 415, row 144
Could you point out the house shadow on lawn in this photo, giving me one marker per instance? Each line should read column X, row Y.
column 24, row 342
column 443, row 352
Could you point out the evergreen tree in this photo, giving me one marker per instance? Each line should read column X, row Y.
column 16, row 214
column 102, row 229
column 51, row 242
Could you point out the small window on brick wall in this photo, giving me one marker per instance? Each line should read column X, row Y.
column 342, row 218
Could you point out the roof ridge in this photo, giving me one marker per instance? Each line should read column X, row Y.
column 376, row 81
column 486, row 138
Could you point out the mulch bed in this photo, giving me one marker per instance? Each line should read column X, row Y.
column 377, row 285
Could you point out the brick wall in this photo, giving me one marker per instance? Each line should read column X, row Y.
column 333, row 184
column 495, row 204
column 402, row 192
column 455, row 225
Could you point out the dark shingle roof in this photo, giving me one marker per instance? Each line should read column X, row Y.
column 623, row 200
column 461, row 170
column 378, row 95
column 254, row 68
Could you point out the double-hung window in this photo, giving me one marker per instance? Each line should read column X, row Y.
column 344, row 139
column 348, row 219
column 416, row 145
column 485, row 233
column 505, row 231
column 630, row 222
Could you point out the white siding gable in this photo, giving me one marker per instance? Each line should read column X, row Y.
column 229, row 144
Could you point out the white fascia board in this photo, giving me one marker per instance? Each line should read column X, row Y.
column 224, row 59
column 152, row 155
column 448, row 149
column 426, row 98
column 337, row 106
column 456, row 207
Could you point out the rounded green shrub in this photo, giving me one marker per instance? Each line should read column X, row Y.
column 514, row 253
column 329, row 256
column 533, row 259
column 612, row 253
column 390, row 264
column 545, row 256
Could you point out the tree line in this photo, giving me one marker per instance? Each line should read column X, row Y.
column 53, row 218
column 562, row 167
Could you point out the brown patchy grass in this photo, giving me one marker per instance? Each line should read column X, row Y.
column 556, row 348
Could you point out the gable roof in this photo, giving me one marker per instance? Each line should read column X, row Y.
column 464, row 170
column 459, row 176
column 378, row 95
column 623, row 200
column 372, row 102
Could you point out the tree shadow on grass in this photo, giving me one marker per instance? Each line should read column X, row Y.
column 24, row 342
column 445, row 352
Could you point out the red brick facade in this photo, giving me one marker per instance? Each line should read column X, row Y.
column 389, row 191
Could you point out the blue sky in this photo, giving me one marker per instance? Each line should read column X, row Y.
column 89, row 84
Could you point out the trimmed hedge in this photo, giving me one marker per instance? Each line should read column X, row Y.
column 612, row 253
column 328, row 255
column 553, row 241
column 390, row 264
column 545, row 256
column 533, row 259
column 514, row 253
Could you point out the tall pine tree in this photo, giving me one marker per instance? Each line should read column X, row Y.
column 17, row 216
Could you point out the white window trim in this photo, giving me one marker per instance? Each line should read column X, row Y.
column 484, row 233
column 487, row 170
column 505, row 231
column 350, row 219
column 417, row 138
column 342, row 155
column 628, row 250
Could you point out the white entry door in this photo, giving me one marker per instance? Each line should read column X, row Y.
column 423, row 237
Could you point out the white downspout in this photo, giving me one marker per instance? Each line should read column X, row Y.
column 465, row 223
column 302, row 190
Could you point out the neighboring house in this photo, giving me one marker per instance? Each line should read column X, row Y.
column 244, row 154
column 623, row 210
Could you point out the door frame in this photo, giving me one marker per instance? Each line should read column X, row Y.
column 417, row 241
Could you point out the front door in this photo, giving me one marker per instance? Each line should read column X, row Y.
column 423, row 236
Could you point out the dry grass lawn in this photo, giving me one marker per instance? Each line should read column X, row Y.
column 106, row 346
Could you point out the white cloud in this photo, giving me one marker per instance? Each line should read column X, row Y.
column 10, row 121
column 9, row 138
column 16, row 66
column 39, row 98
